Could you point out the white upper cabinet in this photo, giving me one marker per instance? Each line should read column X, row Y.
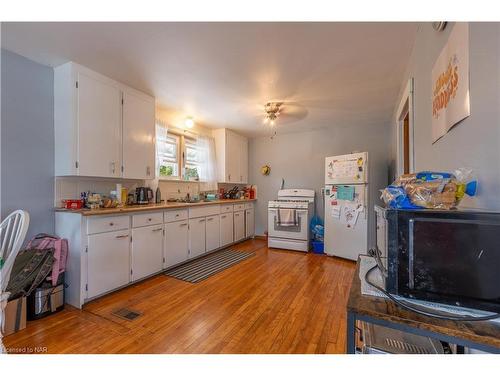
column 101, row 126
column 138, row 136
column 232, row 156
column 243, row 159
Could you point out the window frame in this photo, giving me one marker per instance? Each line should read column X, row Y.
column 178, row 156
column 192, row 143
column 183, row 141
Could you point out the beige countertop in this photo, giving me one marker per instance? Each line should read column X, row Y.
column 149, row 207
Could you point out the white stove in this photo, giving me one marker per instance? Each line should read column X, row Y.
column 296, row 236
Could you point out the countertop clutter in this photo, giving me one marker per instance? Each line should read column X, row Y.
column 148, row 207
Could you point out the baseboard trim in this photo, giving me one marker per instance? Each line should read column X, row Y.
column 260, row 237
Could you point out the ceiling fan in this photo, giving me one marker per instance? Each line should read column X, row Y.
column 282, row 112
column 272, row 111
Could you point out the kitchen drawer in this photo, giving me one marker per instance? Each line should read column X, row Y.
column 248, row 206
column 175, row 215
column 239, row 206
column 107, row 224
column 150, row 218
column 213, row 209
column 226, row 208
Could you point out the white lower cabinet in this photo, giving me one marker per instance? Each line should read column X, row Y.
column 176, row 248
column 147, row 251
column 108, row 262
column 249, row 222
column 212, row 233
column 197, row 237
column 109, row 252
column 226, row 229
column 239, row 225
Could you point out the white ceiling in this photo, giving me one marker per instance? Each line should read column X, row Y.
column 223, row 73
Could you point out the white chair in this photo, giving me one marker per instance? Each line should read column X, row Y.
column 12, row 234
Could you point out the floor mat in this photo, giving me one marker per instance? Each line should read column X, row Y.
column 202, row 268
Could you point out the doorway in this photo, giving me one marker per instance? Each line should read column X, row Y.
column 405, row 150
column 406, row 144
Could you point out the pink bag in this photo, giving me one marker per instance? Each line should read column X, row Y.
column 60, row 245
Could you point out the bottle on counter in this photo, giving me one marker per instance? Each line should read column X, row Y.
column 158, row 195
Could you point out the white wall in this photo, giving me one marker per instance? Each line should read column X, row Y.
column 299, row 158
column 475, row 142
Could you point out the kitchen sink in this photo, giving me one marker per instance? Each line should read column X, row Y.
column 192, row 201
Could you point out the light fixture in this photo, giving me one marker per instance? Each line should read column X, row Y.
column 272, row 111
column 439, row 26
column 189, row 122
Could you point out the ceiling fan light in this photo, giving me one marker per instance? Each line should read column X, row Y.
column 189, row 122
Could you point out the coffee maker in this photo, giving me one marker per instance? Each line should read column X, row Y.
column 143, row 195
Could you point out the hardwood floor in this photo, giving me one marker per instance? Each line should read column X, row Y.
column 274, row 302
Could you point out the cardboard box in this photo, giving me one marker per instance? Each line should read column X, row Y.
column 15, row 316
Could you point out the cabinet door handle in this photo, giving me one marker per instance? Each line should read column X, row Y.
column 223, row 217
column 148, row 171
column 157, row 230
column 210, row 219
column 183, row 225
column 229, row 176
column 177, row 215
column 122, row 236
column 112, row 167
column 202, row 220
column 111, row 224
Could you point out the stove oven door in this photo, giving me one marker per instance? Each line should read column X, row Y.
column 299, row 232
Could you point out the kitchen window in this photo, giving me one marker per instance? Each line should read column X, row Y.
column 183, row 157
column 193, row 159
column 168, row 153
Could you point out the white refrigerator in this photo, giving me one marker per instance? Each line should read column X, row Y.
column 346, row 205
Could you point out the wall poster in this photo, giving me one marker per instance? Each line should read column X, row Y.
column 450, row 82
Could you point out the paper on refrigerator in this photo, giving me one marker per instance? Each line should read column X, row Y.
column 350, row 213
column 346, row 192
column 336, row 210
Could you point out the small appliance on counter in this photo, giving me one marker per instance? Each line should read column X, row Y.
column 143, row 195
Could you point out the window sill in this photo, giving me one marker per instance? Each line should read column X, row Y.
column 166, row 179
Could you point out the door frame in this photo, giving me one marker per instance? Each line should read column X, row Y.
column 406, row 107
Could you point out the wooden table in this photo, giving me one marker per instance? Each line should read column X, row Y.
column 484, row 336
